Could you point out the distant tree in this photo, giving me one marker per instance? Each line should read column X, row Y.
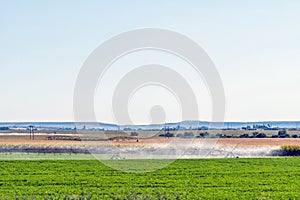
column 134, row 134
column 261, row 135
column 166, row 135
column 283, row 134
column 255, row 134
column 223, row 136
column 244, row 135
column 203, row 135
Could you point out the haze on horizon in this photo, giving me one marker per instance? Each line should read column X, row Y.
column 255, row 46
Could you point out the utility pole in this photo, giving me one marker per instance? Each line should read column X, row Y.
column 31, row 132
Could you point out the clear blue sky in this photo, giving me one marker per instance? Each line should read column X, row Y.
column 254, row 44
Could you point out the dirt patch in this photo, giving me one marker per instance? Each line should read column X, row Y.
column 42, row 140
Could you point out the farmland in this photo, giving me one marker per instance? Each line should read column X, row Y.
column 52, row 168
column 65, row 137
column 255, row 178
column 141, row 133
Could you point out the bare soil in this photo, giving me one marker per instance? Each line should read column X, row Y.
column 42, row 140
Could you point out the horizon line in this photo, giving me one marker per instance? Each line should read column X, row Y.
column 258, row 121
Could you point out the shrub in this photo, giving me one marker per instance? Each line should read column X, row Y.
column 203, row 135
column 134, row 134
column 244, row 135
column 225, row 136
column 290, row 150
column 283, row 134
column 294, row 136
column 166, row 135
column 259, row 135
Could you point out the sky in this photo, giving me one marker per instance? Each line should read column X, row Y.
column 254, row 45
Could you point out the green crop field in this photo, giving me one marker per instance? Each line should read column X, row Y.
column 255, row 178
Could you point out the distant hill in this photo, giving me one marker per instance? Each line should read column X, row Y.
column 180, row 125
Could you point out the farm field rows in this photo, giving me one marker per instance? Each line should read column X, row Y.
column 18, row 140
column 255, row 178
